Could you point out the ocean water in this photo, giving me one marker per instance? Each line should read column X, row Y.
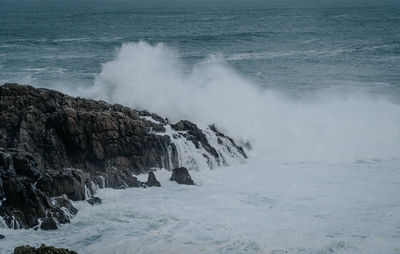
column 314, row 88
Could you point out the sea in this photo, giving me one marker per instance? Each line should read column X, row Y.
column 310, row 88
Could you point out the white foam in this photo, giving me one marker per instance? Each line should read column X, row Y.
column 258, row 207
column 198, row 158
column 328, row 127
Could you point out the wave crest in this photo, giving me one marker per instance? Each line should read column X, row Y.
column 331, row 127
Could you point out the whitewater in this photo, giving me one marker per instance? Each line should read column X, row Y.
column 312, row 94
column 322, row 174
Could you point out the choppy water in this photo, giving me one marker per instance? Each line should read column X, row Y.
column 260, row 207
column 315, row 90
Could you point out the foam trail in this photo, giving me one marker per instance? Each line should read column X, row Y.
column 329, row 128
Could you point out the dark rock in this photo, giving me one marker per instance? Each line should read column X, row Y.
column 2, row 236
column 63, row 201
column 120, row 179
column 152, row 180
column 67, row 181
column 195, row 135
column 65, row 132
column 26, row 202
column 43, row 249
column 232, row 143
column 49, row 224
column 94, row 201
column 1, row 190
column 54, row 148
column 181, row 176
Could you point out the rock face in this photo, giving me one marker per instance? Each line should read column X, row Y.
column 55, row 148
column 181, row 176
column 61, row 131
column 28, row 192
column 43, row 249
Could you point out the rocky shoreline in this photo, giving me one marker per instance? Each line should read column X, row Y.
column 55, row 149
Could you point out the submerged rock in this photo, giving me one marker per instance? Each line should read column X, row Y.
column 2, row 236
column 43, row 249
column 152, row 180
column 94, row 201
column 181, row 176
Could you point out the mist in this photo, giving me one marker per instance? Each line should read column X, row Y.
column 330, row 127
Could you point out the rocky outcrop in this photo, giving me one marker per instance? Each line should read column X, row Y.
column 152, row 180
column 43, row 249
column 28, row 195
column 181, row 176
column 55, row 148
column 61, row 131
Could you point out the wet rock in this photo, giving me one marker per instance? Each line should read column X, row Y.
column 49, row 224
column 152, row 180
column 55, row 148
column 66, row 132
column 195, row 135
column 120, row 179
column 94, row 201
column 63, row 201
column 68, row 181
column 26, row 202
column 181, row 176
column 43, row 249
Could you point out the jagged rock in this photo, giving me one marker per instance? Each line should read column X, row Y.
column 120, row 179
column 25, row 201
column 195, row 135
column 67, row 181
column 48, row 224
column 1, row 190
column 62, row 209
column 54, row 147
column 152, row 180
column 232, row 143
column 43, row 249
column 94, row 201
column 63, row 201
column 2, row 236
column 65, row 132
column 181, row 176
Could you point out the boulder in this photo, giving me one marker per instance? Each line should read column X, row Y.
column 48, row 224
column 94, row 201
column 2, row 236
column 181, row 175
column 43, row 249
column 152, row 180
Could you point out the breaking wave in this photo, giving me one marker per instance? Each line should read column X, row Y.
column 329, row 127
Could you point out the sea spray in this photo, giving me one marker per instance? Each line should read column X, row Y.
column 328, row 127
